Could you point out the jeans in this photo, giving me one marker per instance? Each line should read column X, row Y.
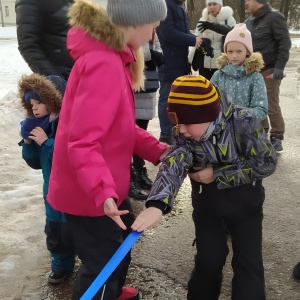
column 164, row 122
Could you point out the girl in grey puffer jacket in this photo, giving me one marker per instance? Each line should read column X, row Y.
column 239, row 75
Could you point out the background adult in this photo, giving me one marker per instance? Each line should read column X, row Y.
column 271, row 38
column 42, row 28
column 175, row 39
column 213, row 13
column 145, row 102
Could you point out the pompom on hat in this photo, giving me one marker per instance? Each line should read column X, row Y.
column 214, row 1
column 193, row 100
column 240, row 34
column 136, row 12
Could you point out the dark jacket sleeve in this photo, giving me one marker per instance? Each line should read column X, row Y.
column 170, row 33
column 221, row 28
column 282, row 38
column 170, row 177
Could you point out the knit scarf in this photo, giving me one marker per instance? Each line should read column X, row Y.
column 31, row 122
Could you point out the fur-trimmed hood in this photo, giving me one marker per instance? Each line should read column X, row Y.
column 45, row 89
column 92, row 29
column 93, row 19
column 252, row 64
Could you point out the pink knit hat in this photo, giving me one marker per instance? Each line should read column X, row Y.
column 240, row 34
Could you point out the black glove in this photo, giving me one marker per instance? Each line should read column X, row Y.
column 278, row 74
column 206, row 47
column 203, row 25
column 157, row 58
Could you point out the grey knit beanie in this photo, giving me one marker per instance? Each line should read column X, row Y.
column 262, row 1
column 136, row 12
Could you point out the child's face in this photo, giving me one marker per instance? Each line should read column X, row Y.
column 39, row 109
column 141, row 34
column 193, row 131
column 236, row 53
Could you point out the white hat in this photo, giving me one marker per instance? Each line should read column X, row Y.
column 215, row 1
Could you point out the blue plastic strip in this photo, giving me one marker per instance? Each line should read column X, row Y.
column 111, row 265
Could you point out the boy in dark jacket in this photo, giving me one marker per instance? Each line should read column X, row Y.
column 226, row 154
column 41, row 98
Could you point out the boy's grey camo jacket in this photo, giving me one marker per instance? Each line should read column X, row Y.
column 238, row 150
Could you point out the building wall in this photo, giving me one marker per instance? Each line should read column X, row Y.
column 8, row 12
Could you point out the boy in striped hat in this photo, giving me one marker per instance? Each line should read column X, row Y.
column 226, row 154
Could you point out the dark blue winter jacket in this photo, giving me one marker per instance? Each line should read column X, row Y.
column 175, row 39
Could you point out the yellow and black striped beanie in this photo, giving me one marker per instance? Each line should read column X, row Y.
column 193, row 100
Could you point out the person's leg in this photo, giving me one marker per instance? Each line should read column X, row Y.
column 164, row 122
column 274, row 110
column 138, row 162
column 142, row 179
column 206, row 279
column 60, row 244
column 244, row 219
column 96, row 239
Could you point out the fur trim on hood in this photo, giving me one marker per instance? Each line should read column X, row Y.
column 44, row 88
column 252, row 64
column 225, row 13
column 93, row 18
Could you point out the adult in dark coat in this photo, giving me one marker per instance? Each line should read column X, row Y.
column 42, row 27
column 175, row 39
column 270, row 35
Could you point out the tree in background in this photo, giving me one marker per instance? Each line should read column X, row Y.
column 289, row 8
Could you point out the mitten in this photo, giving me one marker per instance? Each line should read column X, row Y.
column 157, row 58
column 278, row 74
column 203, row 25
column 206, row 47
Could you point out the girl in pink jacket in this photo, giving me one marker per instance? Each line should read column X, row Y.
column 97, row 135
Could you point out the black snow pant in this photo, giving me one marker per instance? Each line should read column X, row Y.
column 240, row 208
column 96, row 240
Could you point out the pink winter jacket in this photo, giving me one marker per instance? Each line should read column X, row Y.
column 96, row 135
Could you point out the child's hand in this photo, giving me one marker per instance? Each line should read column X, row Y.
column 204, row 176
column 27, row 141
column 148, row 218
column 38, row 135
column 112, row 211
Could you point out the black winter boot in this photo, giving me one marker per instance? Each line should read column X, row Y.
column 135, row 190
column 143, row 180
